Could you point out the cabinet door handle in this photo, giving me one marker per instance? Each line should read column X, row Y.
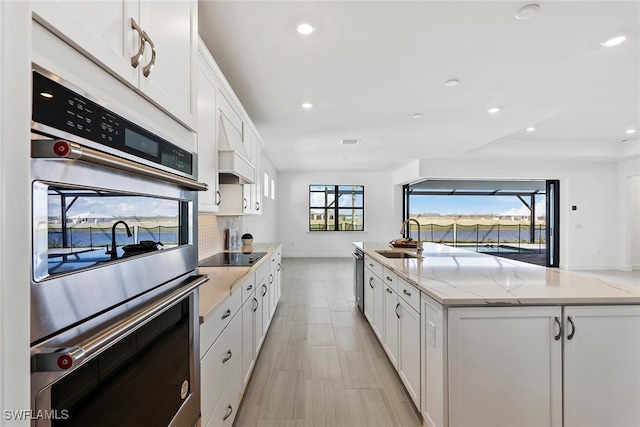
column 257, row 206
column 370, row 265
column 229, row 412
column 557, row 337
column 249, row 287
column 279, row 266
column 218, row 198
column 226, row 314
column 370, row 280
column 265, row 289
column 146, row 70
column 573, row 328
column 407, row 293
column 245, row 204
column 389, row 291
column 389, row 279
column 135, row 59
column 256, row 307
column 270, row 278
column 227, row 357
column 397, row 307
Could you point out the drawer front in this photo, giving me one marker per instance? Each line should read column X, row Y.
column 409, row 293
column 218, row 364
column 262, row 271
column 373, row 265
column 247, row 286
column 390, row 278
column 218, row 319
column 227, row 408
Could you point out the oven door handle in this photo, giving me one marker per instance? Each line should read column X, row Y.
column 61, row 149
column 62, row 359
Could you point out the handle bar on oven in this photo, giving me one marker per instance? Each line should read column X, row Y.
column 62, row 359
column 61, row 149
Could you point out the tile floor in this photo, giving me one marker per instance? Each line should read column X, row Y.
column 321, row 364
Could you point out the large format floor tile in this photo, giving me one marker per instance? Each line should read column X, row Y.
column 321, row 365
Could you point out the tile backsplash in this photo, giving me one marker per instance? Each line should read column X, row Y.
column 211, row 233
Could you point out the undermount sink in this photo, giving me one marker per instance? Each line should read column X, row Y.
column 394, row 254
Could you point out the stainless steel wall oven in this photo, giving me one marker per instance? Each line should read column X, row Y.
column 114, row 284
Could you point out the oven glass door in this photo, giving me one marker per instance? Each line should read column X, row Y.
column 142, row 380
column 80, row 228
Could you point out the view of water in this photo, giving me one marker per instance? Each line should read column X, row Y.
column 480, row 234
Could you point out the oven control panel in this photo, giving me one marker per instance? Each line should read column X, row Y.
column 59, row 107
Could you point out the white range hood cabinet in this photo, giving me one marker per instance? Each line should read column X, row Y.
column 233, row 164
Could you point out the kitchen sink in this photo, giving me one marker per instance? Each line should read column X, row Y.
column 395, row 254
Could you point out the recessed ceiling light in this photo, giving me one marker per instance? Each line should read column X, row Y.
column 46, row 95
column 343, row 158
column 526, row 12
column 305, row 28
column 614, row 41
column 416, row 115
column 350, row 141
column 531, row 129
column 630, row 131
column 493, row 110
column 307, row 105
column 452, row 83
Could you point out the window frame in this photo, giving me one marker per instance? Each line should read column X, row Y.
column 334, row 210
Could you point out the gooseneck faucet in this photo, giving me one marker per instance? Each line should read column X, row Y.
column 113, row 252
column 404, row 224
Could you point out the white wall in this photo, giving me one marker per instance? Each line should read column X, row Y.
column 293, row 209
column 15, row 113
column 590, row 237
column 264, row 227
column 629, row 182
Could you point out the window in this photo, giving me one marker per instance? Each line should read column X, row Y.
column 336, row 208
column 265, row 185
column 273, row 190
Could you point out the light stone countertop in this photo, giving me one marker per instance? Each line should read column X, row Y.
column 224, row 279
column 460, row 277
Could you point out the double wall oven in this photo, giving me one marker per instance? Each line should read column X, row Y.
column 114, row 283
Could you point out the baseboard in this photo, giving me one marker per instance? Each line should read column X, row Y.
column 600, row 267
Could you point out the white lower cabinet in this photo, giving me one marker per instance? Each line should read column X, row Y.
column 390, row 341
column 217, row 365
column 225, row 412
column 248, row 339
column 602, row 366
column 505, row 367
column 369, row 277
column 409, row 349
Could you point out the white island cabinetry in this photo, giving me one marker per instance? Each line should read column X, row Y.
column 485, row 341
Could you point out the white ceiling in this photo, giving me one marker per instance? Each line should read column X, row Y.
column 370, row 65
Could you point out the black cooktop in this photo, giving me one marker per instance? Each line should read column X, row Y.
column 232, row 259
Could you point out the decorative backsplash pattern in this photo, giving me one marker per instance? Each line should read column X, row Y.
column 211, row 233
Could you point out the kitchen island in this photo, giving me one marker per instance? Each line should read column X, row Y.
column 481, row 340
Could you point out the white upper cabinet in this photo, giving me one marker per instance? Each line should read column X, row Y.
column 207, row 148
column 253, row 192
column 122, row 36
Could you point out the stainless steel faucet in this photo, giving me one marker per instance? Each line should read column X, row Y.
column 404, row 224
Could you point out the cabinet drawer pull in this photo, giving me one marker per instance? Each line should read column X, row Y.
column 389, row 279
column 226, row 314
column 228, row 356
column 245, row 204
column 135, row 59
column 389, row 290
column 229, row 412
column 265, row 289
column 557, row 337
column 256, row 307
column 573, row 328
column 407, row 293
column 218, row 198
column 370, row 265
column 279, row 266
column 370, row 280
column 146, row 70
column 257, row 206
column 249, row 287
column 270, row 278
column 397, row 307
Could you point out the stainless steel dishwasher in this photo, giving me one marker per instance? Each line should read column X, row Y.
column 358, row 278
